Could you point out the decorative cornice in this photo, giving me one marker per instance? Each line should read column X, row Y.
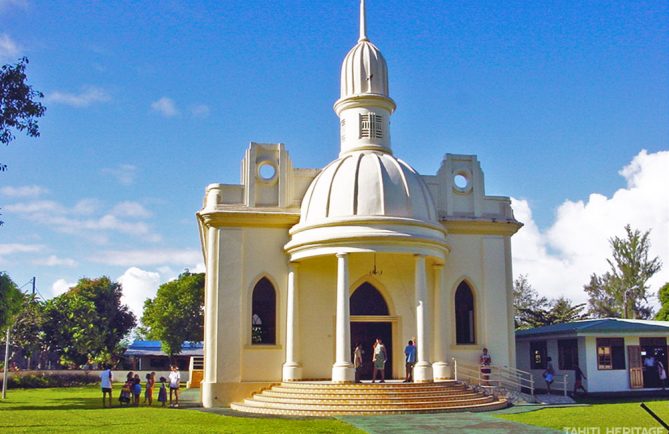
column 238, row 218
column 481, row 227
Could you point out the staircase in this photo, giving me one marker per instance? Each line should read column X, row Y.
column 330, row 399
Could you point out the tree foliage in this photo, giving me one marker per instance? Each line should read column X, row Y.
column 532, row 310
column 176, row 314
column 10, row 300
column 28, row 331
column 623, row 290
column 88, row 322
column 525, row 299
column 663, row 295
column 19, row 108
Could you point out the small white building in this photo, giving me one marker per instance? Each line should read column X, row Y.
column 616, row 355
column 304, row 263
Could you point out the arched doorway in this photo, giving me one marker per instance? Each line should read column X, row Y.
column 370, row 320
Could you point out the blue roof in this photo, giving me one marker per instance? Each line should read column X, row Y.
column 152, row 348
column 598, row 326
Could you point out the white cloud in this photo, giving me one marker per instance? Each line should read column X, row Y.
column 61, row 286
column 55, row 261
column 9, row 49
column 23, row 191
column 124, row 173
column 165, row 106
column 182, row 258
column 130, row 209
column 13, row 248
column 138, row 285
column 560, row 260
column 199, row 110
column 87, row 96
column 85, row 219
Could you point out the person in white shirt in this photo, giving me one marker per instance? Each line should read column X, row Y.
column 175, row 382
column 106, row 379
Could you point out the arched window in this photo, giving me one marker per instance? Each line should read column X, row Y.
column 464, row 315
column 263, row 314
column 367, row 300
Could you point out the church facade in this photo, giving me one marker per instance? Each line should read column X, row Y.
column 303, row 264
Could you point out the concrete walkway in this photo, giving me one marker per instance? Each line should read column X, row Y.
column 465, row 423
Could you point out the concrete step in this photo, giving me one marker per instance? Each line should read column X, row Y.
column 326, row 399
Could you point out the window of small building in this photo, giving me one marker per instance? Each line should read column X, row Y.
column 610, row 353
column 567, row 354
column 263, row 316
column 464, row 315
column 538, row 355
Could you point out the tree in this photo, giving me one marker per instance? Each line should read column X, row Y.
column 525, row 299
column 88, row 322
column 176, row 314
column 10, row 300
column 28, row 331
column 559, row 311
column 663, row 295
column 19, row 109
column 623, row 290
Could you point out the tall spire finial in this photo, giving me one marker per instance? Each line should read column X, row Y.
column 363, row 22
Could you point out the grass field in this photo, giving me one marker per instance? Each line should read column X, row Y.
column 598, row 414
column 78, row 409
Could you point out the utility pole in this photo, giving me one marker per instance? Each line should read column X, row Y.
column 5, row 378
column 34, row 278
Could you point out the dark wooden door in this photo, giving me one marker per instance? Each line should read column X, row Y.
column 635, row 366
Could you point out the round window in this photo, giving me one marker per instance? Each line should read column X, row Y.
column 460, row 181
column 266, row 171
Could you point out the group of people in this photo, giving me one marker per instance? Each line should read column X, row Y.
column 131, row 391
column 379, row 359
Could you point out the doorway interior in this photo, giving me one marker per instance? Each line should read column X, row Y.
column 365, row 333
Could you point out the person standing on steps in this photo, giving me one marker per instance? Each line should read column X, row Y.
column 357, row 361
column 379, row 360
column 410, row 359
column 485, row 361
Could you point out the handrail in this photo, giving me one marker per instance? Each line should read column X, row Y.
column 499, row 376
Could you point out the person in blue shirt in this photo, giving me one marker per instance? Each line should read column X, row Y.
column 410, row 353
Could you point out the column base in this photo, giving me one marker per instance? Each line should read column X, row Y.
column 441, row 371
column 292, row 372
column 343, row 373
column 422, row 372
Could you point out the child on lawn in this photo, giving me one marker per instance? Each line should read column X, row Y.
column 162, row 393
column 137, row 390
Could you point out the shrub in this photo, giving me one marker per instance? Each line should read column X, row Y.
column 45, row 379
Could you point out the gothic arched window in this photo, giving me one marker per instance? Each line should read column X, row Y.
column 464, row 315
column 263, row 314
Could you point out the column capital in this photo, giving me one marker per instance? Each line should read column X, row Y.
column 418, row 255
column 437, row 266
column 294, row 265
column 341, row 254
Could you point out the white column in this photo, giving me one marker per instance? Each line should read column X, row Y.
column 440, row 367
column 292, row 370
column 423, row 369
column 342, row 370
column 210, row 377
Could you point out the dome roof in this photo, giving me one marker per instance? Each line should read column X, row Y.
column 364, row 71
column 367, row 184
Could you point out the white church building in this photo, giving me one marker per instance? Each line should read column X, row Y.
column 302, row 264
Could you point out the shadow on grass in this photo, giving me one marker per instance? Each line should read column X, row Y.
column 621, row 399
column 65, row 404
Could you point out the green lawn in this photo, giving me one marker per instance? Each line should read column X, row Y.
column 78, row 409
column 602, row 415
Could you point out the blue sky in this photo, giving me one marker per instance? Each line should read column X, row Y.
column 148, row 102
